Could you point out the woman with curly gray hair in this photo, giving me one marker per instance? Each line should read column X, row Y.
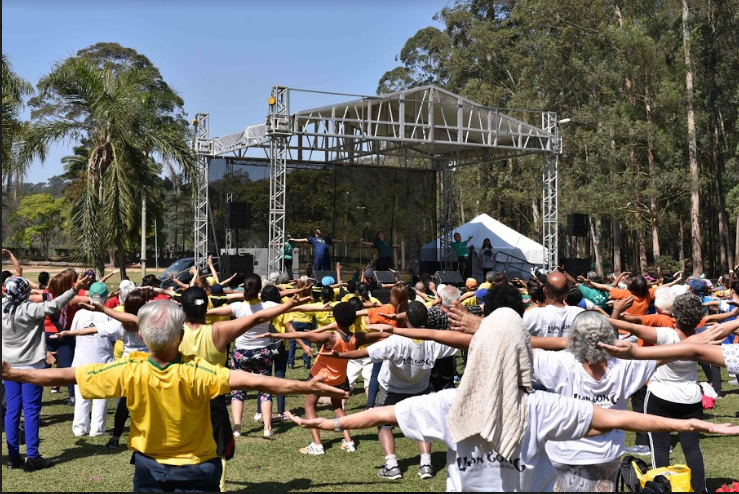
column 586, row 372
column 674, row 391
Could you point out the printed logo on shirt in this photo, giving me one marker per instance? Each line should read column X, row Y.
column 411, row 361
column 598, row 399
column 564, row 329
column 489, row 460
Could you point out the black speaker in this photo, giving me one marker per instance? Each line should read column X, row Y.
column 577, row 225
column 243, row 265
column 238, row 215
column 385, row 277
column 319, row 275
column 576, row 266
column 448, row 278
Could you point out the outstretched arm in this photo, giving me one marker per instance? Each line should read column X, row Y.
column 109, row 275
column 453, row 339
column 279, row 386
column 223, row 310
column 123, row 317
column 354, row 354
column 212, row 269
column 363, row 420
column 16, row 264
column 40, row 377
column 607, row 420
column 646, row 333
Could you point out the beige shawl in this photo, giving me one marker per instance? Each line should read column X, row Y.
column 491, row 399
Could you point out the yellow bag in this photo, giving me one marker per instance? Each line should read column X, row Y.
column 678, row 475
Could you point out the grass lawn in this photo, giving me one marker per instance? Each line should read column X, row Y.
column 84, row 464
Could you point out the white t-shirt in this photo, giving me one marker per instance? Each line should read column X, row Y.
column 472, row 465
column 243, row 309
column 731, row 356
column 677, row 381
column 561, row 373
column 93, row 348
column 407, row 363
column 132, row 342
column 550, row 320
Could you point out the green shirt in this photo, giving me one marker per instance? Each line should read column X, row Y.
column 461, row 249
column 288, row 252
column 384, row 248
column 596, row 296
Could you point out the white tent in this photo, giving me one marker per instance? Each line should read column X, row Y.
column 515, row 254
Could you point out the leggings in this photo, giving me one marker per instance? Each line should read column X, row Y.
column 374, row 384
column 280, row 363
column 637, row 404
column 26, row 398
column 64, row 348
column 121, row 415
column 690, row 441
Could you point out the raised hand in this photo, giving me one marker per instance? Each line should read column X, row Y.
column 316, row 423
column 331, row 353
column 461, row 320
column 319, row 387
column 725, row 429
column 622, row 305
column 712, row 336
column 83, row 282
column 622, row 349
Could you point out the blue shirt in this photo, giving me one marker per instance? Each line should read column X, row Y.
column 320, row 245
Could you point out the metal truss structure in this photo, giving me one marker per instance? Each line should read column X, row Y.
column 424, row 128
column 203, row 147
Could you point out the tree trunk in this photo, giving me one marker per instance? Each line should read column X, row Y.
column 695, row 219
column 682, row 246
column 736, row 242
column 597, row 246
column 616, row 229
column 641, row 247
column 121, row 255
column 653, row 206
column 143, row 236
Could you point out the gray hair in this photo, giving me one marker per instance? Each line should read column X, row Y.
column 664, row 297
column 592, row 275
column 161, row 324
column 588, row 329
column 273, row 277
column 449, row 294
column 283, row 278
column 489, row 276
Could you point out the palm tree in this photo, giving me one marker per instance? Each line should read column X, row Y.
column 106, row 107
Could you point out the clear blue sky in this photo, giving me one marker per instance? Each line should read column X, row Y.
column 222, row 56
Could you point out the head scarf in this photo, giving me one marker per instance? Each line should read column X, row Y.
column 491, row 399
column 17, row 291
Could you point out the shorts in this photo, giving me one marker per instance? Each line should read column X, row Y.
column 257, row 361
column 387, row 398
column 359, row 366
column 600, row 477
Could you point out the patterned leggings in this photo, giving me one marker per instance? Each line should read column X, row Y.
column 257, row 361
column 587, row 478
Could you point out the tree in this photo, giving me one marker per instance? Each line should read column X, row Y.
column 44, row 216
column 115, row 110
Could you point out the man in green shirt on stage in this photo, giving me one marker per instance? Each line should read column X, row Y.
column 462, row 251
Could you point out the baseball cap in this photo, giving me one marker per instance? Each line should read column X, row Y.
column 480, row 294
column 98, row 291
column 697, row 285
column 327, row 280
column 90, row 273
column 216, row 289
column 471, row 283
column 124, row 288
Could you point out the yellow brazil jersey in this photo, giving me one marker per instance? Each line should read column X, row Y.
column 169, row 405
column 469, row 301
column 211, row 305
column 118, row 345
column 325, row 317
column 279, row 324
column 199, row 343
column 360, row 326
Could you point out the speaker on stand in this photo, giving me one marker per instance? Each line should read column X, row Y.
column 448, row 278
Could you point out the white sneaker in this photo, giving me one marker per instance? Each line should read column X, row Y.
column 348, row 446
column 268, row 433
column 313, row 449
column 99, row 434
column 733, row 382
column 257, row 417
column 237, row 433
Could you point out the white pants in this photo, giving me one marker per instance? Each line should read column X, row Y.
column 357, row 366
column 82, row 423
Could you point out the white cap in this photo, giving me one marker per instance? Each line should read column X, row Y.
column 125, row 287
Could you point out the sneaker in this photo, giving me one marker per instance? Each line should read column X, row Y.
column 14, row 462
column 54, row 389
column 426, row 471
column 291, row 365
column 313, row 449
column 307, row 366
column 71, row 402
column 390, row 473
column 268, row 433
column 257, row 417
column 99, row 434
column 348, row 446
column 733, row 382
column 639, row 450
column 33, row 464
column 113, row 443
column 237, row 433
column 456, row 379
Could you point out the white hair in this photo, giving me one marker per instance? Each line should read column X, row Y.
column 664, row 298
column 449, row 294
column 273, row 277
column 161, row 324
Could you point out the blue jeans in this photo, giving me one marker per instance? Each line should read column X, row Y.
column 151, row 476
column 280, row 363
column 299, row 326
column 27, row 398
column 374, row 384
column 64, row 348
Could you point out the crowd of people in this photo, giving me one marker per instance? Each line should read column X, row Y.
column 549, row 367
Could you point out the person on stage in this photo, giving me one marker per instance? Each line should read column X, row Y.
column 384, row 251
column 322, row 254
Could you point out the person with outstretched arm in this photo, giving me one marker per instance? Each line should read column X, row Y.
column 495, row 429
column 169, row 397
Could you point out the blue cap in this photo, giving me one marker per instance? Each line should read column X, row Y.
column 697, row 285
column 480, row 294
column 327, row 280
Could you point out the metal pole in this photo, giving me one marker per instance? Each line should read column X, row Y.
column 156, row 246
column 361, row 234
column 143, row 236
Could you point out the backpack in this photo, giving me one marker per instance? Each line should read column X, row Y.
column 627, row 476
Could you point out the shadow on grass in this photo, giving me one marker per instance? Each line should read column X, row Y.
column 714, row 484
column 293, row 485
column 83, row 449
